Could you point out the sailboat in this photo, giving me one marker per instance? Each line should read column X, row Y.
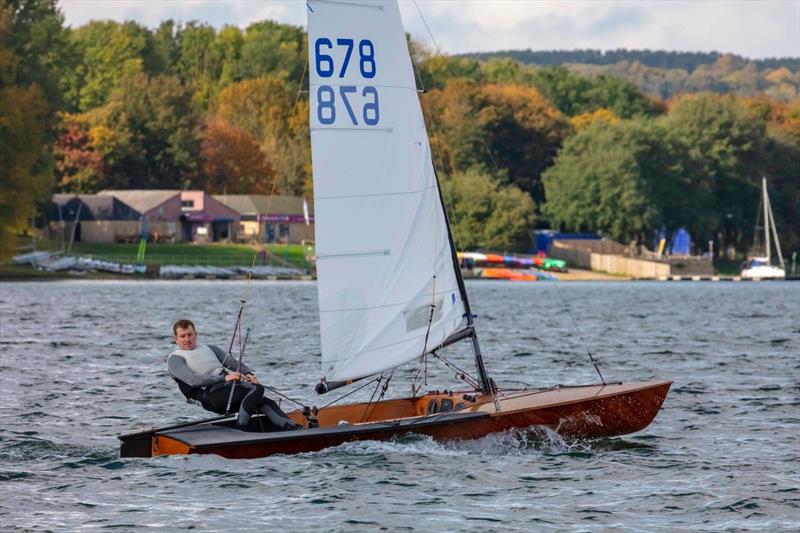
column 760, row 266
column 389, row 284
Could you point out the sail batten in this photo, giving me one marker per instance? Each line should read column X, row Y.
column 384, row 254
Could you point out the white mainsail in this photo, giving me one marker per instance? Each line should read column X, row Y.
column 383, row 252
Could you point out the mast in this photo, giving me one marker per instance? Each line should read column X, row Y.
column 768, row 207
column 765, row 200
column 486, row 385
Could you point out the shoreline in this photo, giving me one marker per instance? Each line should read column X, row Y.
column 21, row 274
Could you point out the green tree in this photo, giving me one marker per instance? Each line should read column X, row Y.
column 574, row 94
column 507, row 71
column 149, row 134
column 568, row 92
column 198, row 64
column 436, row 70
column 625, row 180
column 622, row 97
column 165, row 46
column 111, row 52
column 726, row 139
column 42, row 47
column 273, row 49
column 485, row 214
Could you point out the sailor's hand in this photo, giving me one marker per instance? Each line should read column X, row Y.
column 233, row 376
column 252, row 378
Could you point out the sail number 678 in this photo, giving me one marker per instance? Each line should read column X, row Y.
column 327, row 95
column 324, row 62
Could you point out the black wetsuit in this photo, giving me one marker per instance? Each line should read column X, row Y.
column 200, row 375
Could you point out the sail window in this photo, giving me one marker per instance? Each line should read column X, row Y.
column 419, row 316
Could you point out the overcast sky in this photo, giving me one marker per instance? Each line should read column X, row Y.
column 754, row 29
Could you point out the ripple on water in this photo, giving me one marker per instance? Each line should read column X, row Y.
column 721, row 455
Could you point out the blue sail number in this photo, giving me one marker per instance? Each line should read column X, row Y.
column 324, row 62
column 326, row 95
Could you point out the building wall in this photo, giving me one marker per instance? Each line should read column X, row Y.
column 110, row 231
column 169, row 211
column 613, row 264
column 252, row 231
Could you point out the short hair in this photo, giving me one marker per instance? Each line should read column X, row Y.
column 183, row 323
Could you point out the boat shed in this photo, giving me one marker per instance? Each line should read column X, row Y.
column 94, row 218
column 271, row 218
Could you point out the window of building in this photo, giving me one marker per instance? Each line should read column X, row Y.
column 187, row 205
column 283, row 230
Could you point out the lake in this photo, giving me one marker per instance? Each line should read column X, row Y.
column 83, row 361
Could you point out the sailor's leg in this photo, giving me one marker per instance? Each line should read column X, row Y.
column 251, row 402
column 215, row 397
column 276, row 416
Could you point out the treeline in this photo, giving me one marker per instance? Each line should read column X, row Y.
column 666, row 74
column 663, row 59
column 118, row 105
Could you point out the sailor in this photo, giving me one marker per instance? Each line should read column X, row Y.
column 205, row 376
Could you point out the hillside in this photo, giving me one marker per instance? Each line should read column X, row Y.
column 663, row 74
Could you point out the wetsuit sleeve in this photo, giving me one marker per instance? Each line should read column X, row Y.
column 229, row 362
column 178, row 369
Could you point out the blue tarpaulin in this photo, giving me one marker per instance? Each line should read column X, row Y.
column 681, row 243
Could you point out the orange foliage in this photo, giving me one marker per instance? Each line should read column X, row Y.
column 233, row 161
column 585, row 120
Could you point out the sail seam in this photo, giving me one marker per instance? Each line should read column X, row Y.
column 374, row 195
column 385, row 251
column 348, row 4
column 381, row 347
column 377, row 86
column 366, row 308
column 367, row 129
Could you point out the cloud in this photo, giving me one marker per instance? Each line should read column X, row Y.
column 756, row 29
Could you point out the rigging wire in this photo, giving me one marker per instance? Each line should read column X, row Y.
column 275, row 177
column 460, row 373
column 277, row 392
column 237, row 326
column 497, row 168
column 370, row 406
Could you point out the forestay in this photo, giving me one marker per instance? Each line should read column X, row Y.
column 383, row 252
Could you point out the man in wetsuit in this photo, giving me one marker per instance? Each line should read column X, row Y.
column 205, row 375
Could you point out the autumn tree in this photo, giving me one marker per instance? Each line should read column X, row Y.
column 79, row 166
column 278, row 120
column 509, row 131
column 26, row 118
column 233, row 161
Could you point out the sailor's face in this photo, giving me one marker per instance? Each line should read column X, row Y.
column 186, row 338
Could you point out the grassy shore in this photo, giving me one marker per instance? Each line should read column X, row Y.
column 200, row 254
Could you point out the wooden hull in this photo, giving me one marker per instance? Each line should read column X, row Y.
column 575, row 412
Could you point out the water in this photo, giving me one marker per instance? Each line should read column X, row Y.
column 84, row 361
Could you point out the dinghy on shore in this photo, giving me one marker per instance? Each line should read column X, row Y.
column 389, row 284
